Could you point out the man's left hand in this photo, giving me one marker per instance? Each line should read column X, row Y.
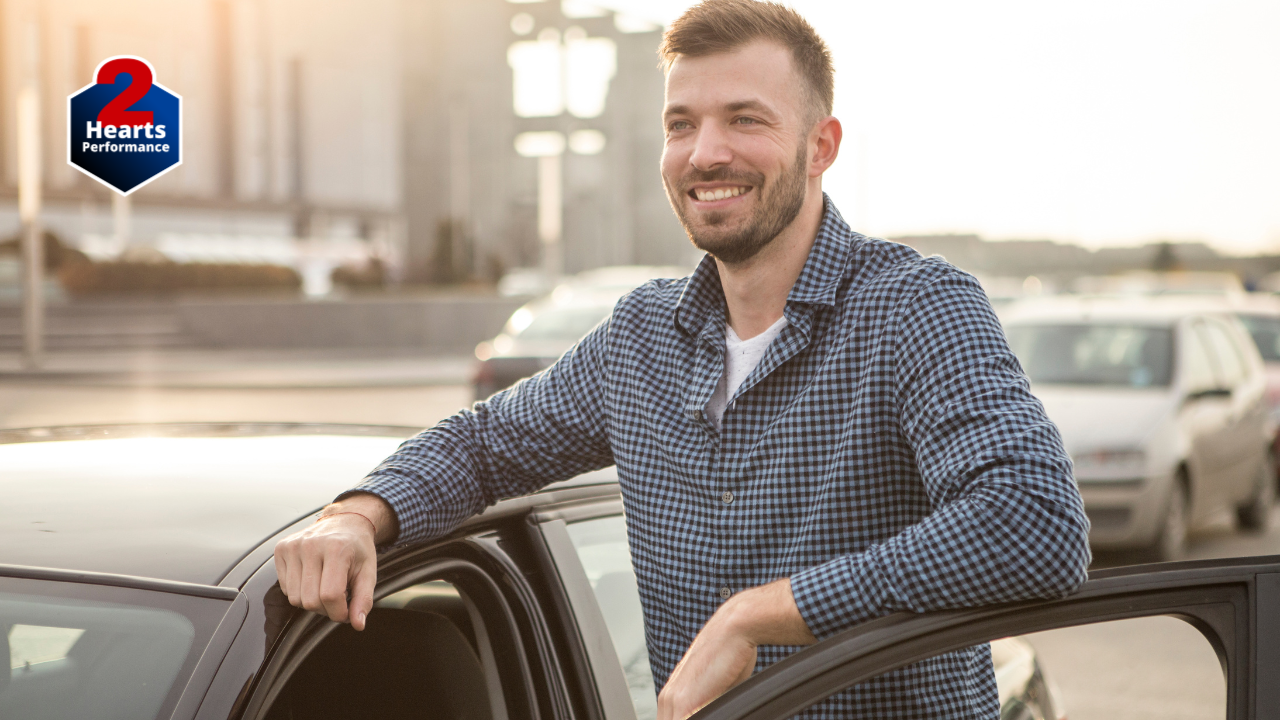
column 724, row 652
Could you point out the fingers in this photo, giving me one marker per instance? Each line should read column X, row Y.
column 317, row 565
column 312, row 567
column 289, row 569
column 333, row 586
column 362, row 593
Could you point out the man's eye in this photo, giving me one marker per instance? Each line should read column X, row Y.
column 745, row 120
column 678, row 125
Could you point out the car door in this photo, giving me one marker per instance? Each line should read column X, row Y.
column 1244, row 440
column 455, row 628
column 1205, row 419
column 1234, row 605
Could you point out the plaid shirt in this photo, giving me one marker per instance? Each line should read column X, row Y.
column 885, row 455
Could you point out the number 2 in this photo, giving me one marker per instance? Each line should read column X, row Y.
column 117, row 111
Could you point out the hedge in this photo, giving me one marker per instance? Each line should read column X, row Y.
column 116, row 277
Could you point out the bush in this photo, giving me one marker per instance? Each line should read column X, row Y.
column 93, row 278
column 55, row 253
column 371, row 276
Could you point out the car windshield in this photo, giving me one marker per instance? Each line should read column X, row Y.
column 78, row 651
column 1094, row 354
column 1266, row 335
column 564, row 323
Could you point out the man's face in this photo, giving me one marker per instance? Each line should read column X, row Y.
column 735, row 165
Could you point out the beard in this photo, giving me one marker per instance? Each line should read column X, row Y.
column 778, row 205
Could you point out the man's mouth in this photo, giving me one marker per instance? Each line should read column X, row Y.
column 720, row 193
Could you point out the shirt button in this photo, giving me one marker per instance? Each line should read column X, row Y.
column 725, row 593
column 727, row 497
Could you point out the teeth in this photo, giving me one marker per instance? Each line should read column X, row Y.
column 719, row 193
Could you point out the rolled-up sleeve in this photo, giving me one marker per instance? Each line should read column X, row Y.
column 1007, row 522
column 546, row 428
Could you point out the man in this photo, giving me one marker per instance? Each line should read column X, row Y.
column 814, row 429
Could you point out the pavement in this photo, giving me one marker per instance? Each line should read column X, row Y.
column 238, row 369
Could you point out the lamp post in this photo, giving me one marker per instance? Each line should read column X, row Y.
column 29, row 209
column 548, row 147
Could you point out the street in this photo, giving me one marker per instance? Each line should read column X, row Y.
column 1151, row 668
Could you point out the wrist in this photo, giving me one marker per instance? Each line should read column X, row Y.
column 767, row 615
column 326, row 513
column 744, row 615
column 366, row 510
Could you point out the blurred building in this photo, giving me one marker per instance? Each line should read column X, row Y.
column 388, row 121
column 472, row 198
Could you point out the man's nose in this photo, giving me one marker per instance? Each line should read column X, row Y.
column 711, row 148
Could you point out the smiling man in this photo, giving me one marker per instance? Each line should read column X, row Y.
column 813, row 430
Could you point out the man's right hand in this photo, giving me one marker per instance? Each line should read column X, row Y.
column 331, row 567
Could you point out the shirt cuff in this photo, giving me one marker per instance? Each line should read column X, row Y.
column 838, row 594
column 399, row 502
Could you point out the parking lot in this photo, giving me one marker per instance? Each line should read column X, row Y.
column 1133, row 669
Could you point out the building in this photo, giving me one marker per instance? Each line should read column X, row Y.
column 472, row 199
column 387, row 121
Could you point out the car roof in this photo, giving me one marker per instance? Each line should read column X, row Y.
column 176, row 502
column 1147, row 310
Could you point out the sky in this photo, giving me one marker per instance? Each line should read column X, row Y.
column 1098, row 122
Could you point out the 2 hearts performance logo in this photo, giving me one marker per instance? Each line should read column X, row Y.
column 124, row 129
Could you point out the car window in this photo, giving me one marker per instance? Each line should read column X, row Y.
column 602, row 547
column 1143, row 667
column 1230, row 366
column 76, row 650
column 1265, row 332
column 1094, row 354
column 421, row 648
column 1152, row 667
column 1198, row 372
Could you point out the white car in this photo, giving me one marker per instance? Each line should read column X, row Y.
column 541, row 331
column 1160, row 402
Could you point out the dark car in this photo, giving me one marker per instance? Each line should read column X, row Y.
column 138, row 582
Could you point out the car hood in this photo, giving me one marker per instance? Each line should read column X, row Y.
column 1091, row 418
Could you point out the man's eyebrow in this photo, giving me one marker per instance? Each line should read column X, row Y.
column 755, row 105
column 736, row 106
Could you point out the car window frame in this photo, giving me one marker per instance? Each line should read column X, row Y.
column 1234, row 603
column 458, row 562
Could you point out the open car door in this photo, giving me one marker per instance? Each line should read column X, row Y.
column 1234, row 604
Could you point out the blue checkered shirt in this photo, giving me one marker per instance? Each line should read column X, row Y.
column 885, row 455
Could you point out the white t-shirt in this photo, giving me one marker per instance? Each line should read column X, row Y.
column 740, row 358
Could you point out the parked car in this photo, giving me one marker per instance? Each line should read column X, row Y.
column 1161, row 405
column 137, row 581
column 1262, row 320
column 539, row 332
column 1260, row 315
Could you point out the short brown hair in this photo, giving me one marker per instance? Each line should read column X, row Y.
column 717, row 26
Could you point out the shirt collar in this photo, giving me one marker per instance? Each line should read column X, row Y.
column 818, row 283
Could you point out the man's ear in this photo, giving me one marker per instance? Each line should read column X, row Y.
column 824, row 140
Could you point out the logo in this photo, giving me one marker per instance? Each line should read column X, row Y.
column 124, row 129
